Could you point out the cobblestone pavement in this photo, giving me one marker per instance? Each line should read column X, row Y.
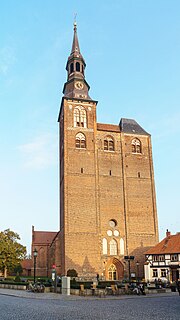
column 32, row 306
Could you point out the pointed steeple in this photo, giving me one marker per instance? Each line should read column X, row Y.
column 75, row 45
column 76, row 85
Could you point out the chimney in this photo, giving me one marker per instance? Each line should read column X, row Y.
column 168, row 233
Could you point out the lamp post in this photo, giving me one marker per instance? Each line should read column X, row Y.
column 137, row 266
column 129, row 258
column 35, row 253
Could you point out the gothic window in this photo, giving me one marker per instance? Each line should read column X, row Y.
column 78, row 66
column 108, row 144
column 80, row 117
column 122, row 246
column 113, row 247
column 136, row 146
column 80, row 141
column 76, row 117
column 82, row 69
column 112, row 272
column 71, row 67
column 104, row 245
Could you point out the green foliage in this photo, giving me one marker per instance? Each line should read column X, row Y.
column 18, row 270
column 17, row 279
column 72, row 273
column 11, row 251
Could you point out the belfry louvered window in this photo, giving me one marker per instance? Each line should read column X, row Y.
column 80, row 117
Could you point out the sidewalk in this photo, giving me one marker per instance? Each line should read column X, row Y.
column 57, row 296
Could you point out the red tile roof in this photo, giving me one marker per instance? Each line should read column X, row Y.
column 168, row 245
column 108, row 127
column 43, row 237
column 26, row 264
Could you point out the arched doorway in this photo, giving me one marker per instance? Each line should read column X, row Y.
column 114, row 270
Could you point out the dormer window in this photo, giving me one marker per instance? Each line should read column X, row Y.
column 136, row 146
column 80, row 117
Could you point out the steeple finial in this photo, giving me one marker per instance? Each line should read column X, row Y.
column 75, row 23
column 75, row 45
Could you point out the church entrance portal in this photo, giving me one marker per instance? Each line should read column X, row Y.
column 114, row 270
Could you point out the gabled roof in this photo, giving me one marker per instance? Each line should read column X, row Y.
column 169, row 245
column 43, row 237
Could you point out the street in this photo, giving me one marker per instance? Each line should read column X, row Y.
column 143, row 307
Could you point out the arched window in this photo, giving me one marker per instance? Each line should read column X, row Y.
column 136, row 146
column 82, row 69
column 112, row 272
column 80, row 141
column 104, row 245
column 108, row 144
column 80, row 117
column 71, row 67
column 76, row 117
column 122, row 246
column 113, row 247
column 78, row 66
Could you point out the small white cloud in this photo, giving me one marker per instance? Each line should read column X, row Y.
column 40, row 153
column 7, row 59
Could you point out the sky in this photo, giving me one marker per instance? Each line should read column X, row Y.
column 132, row 52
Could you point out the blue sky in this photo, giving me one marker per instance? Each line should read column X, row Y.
column 132, row 51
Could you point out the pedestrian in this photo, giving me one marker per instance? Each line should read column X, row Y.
column 178, row 286
column 97, row 276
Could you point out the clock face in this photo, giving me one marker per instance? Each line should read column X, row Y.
column 79, row 85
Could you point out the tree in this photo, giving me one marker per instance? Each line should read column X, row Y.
column 11, row 251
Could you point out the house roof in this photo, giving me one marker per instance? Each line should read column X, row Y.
column 108, row 127
column 26, row 264
column 169, row 245
column 43, row 237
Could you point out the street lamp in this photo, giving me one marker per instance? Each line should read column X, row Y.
column 129, row 258
column 35, row 253
column 137, row 266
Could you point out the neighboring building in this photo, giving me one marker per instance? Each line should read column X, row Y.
column 27, row 265
column 163, row 260
column 41, row 241
column 107, row 190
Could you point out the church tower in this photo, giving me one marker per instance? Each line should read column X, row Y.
column 107, row 192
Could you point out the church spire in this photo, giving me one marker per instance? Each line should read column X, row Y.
column 76, row 85
column 75, row 45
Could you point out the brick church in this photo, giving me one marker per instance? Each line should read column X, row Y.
column 107, row 190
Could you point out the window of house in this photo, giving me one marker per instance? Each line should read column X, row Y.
column 163, row 272
column 113, row 247
column 174, row 257
column 155, row 273
column 136, row 146
column 80, row 141
column 78, row 66
column 161, row 257
column 80, row 118
column 109, row 144
column 155, row 258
